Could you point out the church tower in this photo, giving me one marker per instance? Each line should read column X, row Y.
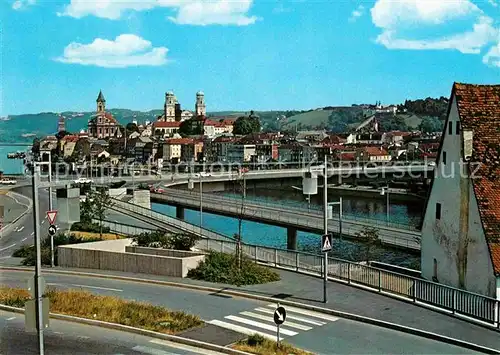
column 169, row 109
column 200, row 107
column 101, row 102
column 61, row 124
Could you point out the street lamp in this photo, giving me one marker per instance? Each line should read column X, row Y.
column 385, row 191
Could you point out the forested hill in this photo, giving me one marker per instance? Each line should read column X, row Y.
column 428, row 107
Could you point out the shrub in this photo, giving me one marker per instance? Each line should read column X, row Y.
column 23, row 251
column 161, row 239
column 257, row 344
column 223, row 268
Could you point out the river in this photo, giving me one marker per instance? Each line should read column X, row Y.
column 263, row 234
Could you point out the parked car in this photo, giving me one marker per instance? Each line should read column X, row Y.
column 83, row 180
column 8, row 182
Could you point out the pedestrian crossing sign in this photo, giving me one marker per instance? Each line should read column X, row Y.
column 326, row 243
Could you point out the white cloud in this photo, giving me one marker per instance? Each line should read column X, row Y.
column 389, row 14
column 191, row 12
column 493, row 56
column 357, row 13
column 20, row 4
column 125, row 51
column 393, row 17
column 493, row 3
column 470, row 42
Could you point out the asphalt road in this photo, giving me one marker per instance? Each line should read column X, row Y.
column 312, row 331
column 73, row 338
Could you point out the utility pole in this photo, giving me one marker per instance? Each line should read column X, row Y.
column 38, row 264
column 325, row 231
column 52, row 263
column 201, row 203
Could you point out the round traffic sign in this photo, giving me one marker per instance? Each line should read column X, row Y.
column 279, row 315
column 52, row 229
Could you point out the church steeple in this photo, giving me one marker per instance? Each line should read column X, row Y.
column 101, row 102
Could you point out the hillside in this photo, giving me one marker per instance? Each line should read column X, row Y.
column 307, row 120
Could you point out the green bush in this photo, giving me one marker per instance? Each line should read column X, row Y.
column 161, row 239
column 23, row 251
column 223, row 268
column 88, row 227
column 255, row 340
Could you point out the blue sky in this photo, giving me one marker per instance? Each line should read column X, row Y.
column 243, row 54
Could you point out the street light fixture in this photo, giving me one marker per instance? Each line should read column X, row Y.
column 385, row 191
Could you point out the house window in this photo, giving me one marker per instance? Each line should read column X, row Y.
column 450, row 127
column 458, row 127
column 435, row 271
column 438, row 211
column 444, row 157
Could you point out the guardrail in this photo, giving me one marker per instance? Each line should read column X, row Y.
column 473, row 306
column 121, row 206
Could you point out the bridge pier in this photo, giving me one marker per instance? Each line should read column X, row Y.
column 179, row 212
column 291, row 238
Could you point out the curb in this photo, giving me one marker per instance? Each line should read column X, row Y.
column 29, row 207
column 345, row 315
column 139, row 331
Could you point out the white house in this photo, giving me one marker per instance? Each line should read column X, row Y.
column 461, row 227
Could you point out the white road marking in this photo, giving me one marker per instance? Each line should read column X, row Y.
column 5, row 257
column 57, row 333
column 83, row 337
column 20, row 229
column 22, row 240
column 11, row 318
column 239, row 329
column 43, row 221
column 10, row 246
column 32, row 233
column 270, row 319
column 289, row 316
column 152, row 351
column 183, row 347
column 261, row 325
column 308, row 313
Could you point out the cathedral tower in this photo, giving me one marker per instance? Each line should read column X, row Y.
column 101, row 102
column 169, row 110
column 200, row 107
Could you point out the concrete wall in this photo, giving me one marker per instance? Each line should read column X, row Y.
column 119, row 255
column 455, row 242
column 117, row 192
column 142, row 198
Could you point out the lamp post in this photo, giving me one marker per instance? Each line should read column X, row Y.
column 385, row 191
column 201, row 203
column 52, row 263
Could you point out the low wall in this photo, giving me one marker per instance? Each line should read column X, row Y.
column 119, row 255
column 117, row 192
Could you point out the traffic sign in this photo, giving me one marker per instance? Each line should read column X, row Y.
column 279, row 315
column 51, row 216
column 326, row 243
column 52, row 229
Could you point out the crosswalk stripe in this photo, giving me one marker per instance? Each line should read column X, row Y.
column 270, row 319
column 261, row 325
column 152, row 351
column 308, row 313
column 240, row 329
column 290, row 316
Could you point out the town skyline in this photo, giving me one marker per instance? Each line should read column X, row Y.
column 245, row 55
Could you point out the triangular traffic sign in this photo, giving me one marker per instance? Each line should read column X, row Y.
column 326, row 244
column 51, row 216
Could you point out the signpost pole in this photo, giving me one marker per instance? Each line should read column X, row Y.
column 50, row 209
column 278, row 336
column 38, row 264
column 325, row 221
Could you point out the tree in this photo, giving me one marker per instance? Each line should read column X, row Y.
column 431, row 124
column 101, row 202
column 35, row 148
column 191, row 127
column 131, row 127
column 247, row 125
column 370, row 237
column 60, row 135
column 162, row 239
column 238, row 236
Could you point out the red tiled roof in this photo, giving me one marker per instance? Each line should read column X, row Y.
column 333, row 139
column 375, row 151
column 162, row 124
column 71, row 138
column 179, row 141
column 213, row 123
column 107, row 115
column 479, row 111
column 223, row 139
column 347, row 156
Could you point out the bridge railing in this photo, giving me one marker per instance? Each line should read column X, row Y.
column 292, row 218
column 311, row 210
column 174, row 222
column 473, row 306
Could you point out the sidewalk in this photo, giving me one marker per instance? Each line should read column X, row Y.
column 341, row 297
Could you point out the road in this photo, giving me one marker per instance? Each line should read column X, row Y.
column 312, row 331
column 72, row 338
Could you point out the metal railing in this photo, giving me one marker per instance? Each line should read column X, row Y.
column 395, row 237
column 426, row 293
column 121, row 206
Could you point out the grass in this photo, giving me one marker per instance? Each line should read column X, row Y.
column 107, row 308
column 93, row 236
column 312, row 118
column 257, row 344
